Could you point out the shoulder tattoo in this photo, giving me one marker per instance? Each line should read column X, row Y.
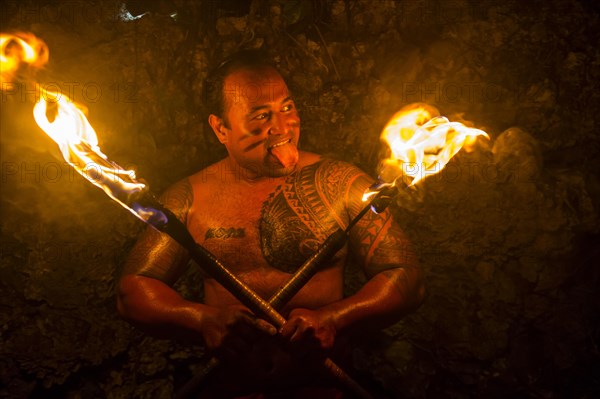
column 303, row 211
column 155, row 254
column 334, row 181
column 178, row 198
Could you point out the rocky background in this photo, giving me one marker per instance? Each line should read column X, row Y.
column 507, row 234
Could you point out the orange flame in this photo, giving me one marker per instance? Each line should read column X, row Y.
column 421, row 144
column 18, row 49
column 78, row 143
column 59, row 118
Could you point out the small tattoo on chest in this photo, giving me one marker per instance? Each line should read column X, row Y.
column 221, row 232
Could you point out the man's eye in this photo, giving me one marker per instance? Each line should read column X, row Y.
column 287, row 107
column 262, row 116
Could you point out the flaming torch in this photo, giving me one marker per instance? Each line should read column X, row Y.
column 421, row 143
column 67, row 125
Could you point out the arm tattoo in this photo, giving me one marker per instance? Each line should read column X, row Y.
column 382, row 245
column 332, row 182
column 178, row 198
column 377, row 239
column 157, row 255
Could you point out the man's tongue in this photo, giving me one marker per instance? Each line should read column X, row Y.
column 286, row 154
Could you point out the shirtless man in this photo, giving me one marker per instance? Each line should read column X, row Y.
column 262, row 211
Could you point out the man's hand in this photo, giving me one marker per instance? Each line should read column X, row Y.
column 230, row 331
column 310, row 331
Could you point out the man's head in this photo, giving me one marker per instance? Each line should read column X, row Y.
column 253, row 115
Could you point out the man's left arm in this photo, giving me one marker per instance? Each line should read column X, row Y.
column 395, row 286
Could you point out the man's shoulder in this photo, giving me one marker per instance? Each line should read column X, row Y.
column 327, row 167
column 178, row 198
column 181, row 187
column 307, row 158
column 212, row 173
column 333, row 179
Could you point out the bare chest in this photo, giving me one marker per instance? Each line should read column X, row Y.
column 275, row 227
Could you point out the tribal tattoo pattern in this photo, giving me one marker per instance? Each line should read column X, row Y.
column 382, row 248
column 154, row 253
column 301, row 213
column 179, row 199
column 382, row 244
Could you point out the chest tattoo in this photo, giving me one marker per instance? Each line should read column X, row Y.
column 300, row 214
column 221, row 232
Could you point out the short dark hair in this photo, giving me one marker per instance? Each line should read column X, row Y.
column 213, row 89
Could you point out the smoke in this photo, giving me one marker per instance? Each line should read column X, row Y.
column 517, row 151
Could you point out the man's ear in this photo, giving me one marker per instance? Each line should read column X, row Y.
column 218, row 126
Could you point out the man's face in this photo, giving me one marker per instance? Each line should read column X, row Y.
column 262, row 126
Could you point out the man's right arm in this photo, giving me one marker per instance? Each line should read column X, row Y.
column 146, row 298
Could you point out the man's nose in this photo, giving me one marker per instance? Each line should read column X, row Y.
column 278, row 124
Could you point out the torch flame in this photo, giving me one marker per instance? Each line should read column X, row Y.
column 421, row 145
column 59, row 118
column 18, row 49
column 78, row 143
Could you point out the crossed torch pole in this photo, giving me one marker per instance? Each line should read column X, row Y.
column 172, row 226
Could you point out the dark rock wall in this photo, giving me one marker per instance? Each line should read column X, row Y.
column 506, row 235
